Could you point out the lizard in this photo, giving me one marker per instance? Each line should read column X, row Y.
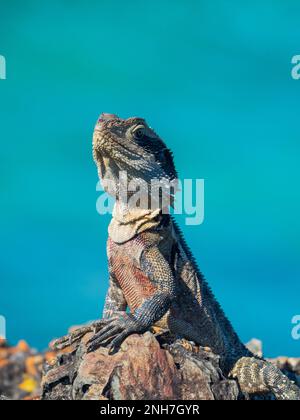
column 154, row 279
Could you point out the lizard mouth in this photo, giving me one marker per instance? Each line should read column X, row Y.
column 104, row 138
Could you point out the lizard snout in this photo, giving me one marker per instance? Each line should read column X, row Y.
column 105, row 117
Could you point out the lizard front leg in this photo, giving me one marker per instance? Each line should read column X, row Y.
column 115, row 302
column 159, row 272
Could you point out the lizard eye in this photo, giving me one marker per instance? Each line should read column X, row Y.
column 139, row 132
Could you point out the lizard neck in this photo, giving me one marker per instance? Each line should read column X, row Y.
column 128, row 222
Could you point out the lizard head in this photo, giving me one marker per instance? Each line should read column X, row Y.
column 131, row 146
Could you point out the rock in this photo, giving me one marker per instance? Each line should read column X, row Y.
column 21, row 370
column 143, row 369
column 147, row 367
column 291, row 364
column 256, row 347
column 201, row 376
column 18, row 378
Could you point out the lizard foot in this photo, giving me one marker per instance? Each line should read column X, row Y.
column 114, row 332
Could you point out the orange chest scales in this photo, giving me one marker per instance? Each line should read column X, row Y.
column 124, row 264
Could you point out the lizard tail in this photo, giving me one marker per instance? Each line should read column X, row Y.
column 256, row 376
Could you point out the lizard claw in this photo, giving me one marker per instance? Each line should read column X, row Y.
column 114, row 332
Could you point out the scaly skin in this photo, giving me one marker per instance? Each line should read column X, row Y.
column 152, row 271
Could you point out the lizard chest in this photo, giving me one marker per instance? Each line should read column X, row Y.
column 124, row 265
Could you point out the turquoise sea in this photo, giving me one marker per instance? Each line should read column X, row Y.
column 214, row 79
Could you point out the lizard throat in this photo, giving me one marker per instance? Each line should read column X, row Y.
column 129, row 222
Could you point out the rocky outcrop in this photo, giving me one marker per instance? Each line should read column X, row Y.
column 147, row 367
column 20, row 371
